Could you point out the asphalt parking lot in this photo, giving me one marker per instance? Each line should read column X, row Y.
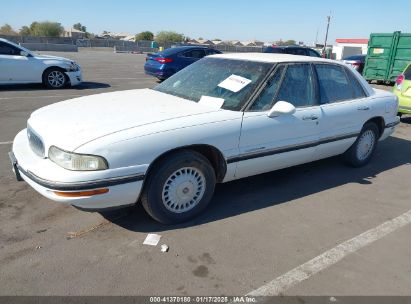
column 256, row 232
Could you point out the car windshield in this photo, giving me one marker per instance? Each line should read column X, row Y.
column 215, row 80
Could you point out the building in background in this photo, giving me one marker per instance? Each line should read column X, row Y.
column 73, row 33
column 349, row 46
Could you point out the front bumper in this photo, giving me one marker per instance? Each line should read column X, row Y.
column 40, row 174
column 76, row 78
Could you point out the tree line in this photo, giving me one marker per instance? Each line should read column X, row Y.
column 55, row 29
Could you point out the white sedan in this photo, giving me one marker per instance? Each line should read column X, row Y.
column 19, row 65
column 223, row 118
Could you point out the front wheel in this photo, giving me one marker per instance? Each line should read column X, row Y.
column 55, row 79
column 179, row 187
column 364, row 147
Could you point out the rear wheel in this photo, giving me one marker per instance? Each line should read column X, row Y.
column 179, row 187
column 361, row 152
column 55, row 78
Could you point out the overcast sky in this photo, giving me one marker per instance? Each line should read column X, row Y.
column 225, row 19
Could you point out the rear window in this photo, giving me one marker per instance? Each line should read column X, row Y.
column 194, row 54
column 313, row 53
column 273, row 50
column 172, row 51
column 407, row 73
column 296, row 51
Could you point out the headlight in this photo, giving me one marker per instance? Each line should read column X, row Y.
column 73, row 67
column 77, row 162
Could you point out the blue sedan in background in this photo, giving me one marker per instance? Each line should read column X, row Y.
column 166, row 63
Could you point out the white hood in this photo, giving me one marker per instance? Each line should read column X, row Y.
column 72, row 123
column 50, row 57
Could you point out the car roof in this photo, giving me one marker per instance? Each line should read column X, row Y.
column 178, row 49
column 272, row 57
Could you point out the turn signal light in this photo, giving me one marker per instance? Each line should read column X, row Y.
column 82, row 193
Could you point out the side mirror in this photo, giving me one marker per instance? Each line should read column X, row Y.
column 281, row 108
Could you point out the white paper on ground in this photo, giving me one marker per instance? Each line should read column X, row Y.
column 234, row 83
column 152, row 239
column 213, row 102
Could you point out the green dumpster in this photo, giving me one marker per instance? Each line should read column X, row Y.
column 388, row 54
column 154, row 45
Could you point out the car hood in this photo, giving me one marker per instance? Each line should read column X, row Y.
column 49, row 57
column 72, row 123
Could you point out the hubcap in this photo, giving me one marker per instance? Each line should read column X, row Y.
column 56, row 79
column 183, row 190
column 365, row 145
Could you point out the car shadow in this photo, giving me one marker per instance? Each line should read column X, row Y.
column 406, row 119
column 274, row 188
column 38, row 87
column 91, row 85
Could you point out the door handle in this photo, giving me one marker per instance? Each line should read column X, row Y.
column 312, row 117
column 363, row 108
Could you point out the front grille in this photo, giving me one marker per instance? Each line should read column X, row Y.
column 35, row 142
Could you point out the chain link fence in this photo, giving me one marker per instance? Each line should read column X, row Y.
column 122, row 46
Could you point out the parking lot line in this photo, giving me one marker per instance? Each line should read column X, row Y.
column 330, row 257
column 6, row 142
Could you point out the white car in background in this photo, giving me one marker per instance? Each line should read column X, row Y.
column 19, row 65
column 222, row 118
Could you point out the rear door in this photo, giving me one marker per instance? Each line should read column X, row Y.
column 345, row 108
column 270, row 143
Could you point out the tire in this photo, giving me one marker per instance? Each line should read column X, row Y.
column 55, row 78
column 399, row 114
column 361, row 152
column 179, row 187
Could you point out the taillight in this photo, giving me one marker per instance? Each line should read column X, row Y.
column 163, row 60
column 399, row 81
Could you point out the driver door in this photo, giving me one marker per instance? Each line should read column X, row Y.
column 14, row 67
column 271, row 143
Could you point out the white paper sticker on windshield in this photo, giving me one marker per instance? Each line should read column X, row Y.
column 213, row 102
column 234, row 83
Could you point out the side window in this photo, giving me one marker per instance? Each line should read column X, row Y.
column 358, row 89
column 6, row 49
column 194, row 54
column 333, row 84
column 297, row 87
column 265, row 100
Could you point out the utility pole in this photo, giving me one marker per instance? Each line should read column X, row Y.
column 326, row 33
column 316, row 37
